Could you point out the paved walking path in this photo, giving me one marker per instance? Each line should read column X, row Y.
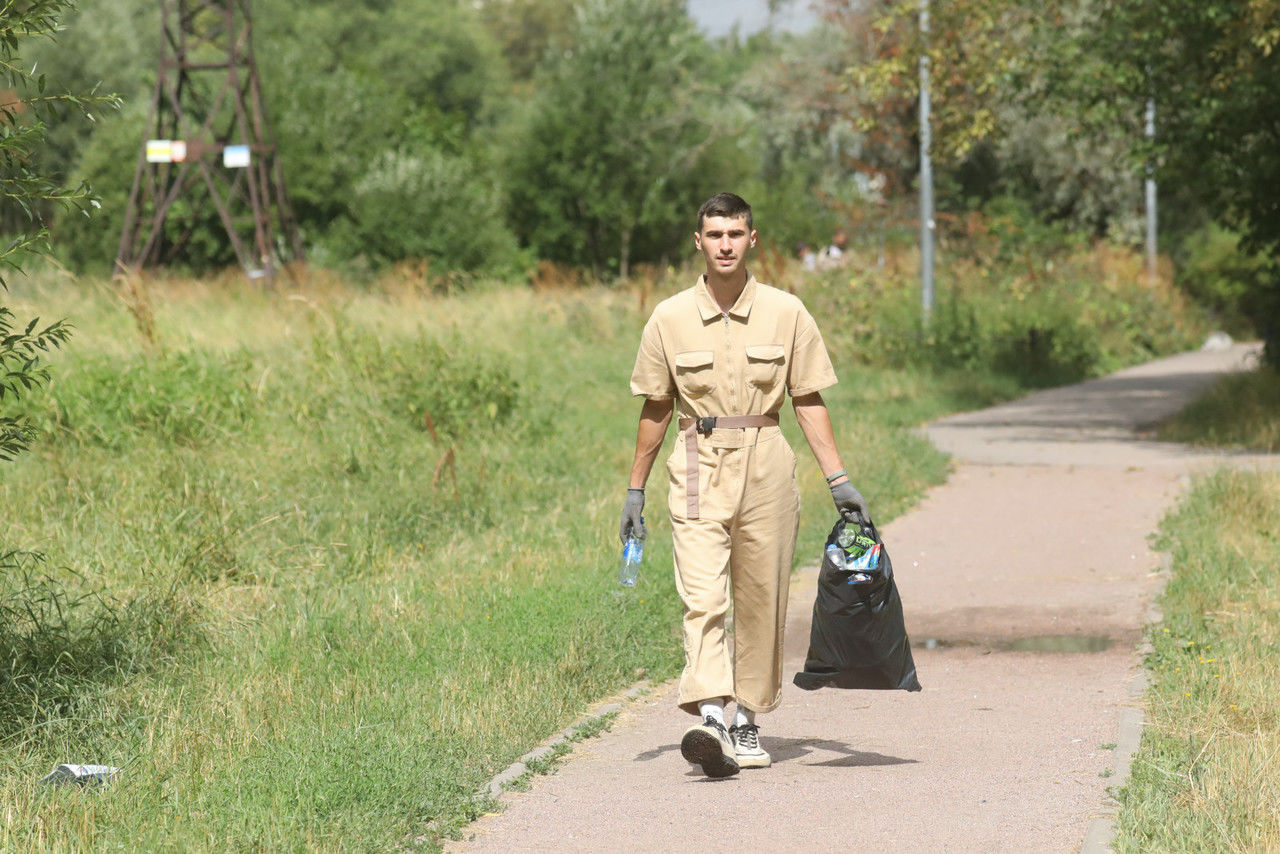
column 1038, row 541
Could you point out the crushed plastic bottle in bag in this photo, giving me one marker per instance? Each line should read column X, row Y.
column 854, row 541
column 862, row 567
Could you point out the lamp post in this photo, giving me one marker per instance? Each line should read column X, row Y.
column 926, row 173
column 1151, row 192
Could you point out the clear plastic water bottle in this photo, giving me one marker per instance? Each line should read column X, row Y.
column 632, row 553
column 854, row 541
column 837, row 557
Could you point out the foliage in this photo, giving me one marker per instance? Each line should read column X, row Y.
column 526, row 29
column 347, row 89
column 1025, row 303
column 22, row 371
column 108, row 47
column 817, row 170
column 1223, row 276
column 1211, row 69
column 974, row 47
column 24, row 193
column 362, row 97
column 53, row 642
column 1082, row 178
column 428, row 205
column 996, row 135
column 61, row 641
column 616, row 153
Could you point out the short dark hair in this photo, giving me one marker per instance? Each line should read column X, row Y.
column 724, row 204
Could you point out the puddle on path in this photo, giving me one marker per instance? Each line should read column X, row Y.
column 1059, row 643
column 1035, row 643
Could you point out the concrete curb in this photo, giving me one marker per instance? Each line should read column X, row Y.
column 1103, row 829
column 497, row 787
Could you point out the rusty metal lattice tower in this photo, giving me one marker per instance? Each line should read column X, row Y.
column 207, row 126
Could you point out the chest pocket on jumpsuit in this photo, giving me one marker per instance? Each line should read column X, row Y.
column 766, row 364
column 693, row 372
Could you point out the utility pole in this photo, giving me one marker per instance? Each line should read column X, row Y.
column 207, row 126
column 926, row 172
column 1151, row 193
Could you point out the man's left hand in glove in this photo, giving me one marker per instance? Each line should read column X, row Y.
column 849, row 501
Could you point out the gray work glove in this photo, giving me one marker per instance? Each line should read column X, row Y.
column 849, row 501
column 632, row 521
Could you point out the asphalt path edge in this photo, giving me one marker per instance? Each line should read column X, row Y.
column 596, row 719
column 1102, row 830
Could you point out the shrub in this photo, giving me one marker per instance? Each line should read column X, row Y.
column 1220, row 275
column 185, row 398
column 422, row 382
column 1045, row 345
column 1041, row 316
column 58, row 638
column 427, row 205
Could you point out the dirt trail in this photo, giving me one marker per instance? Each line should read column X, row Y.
column 1039, row 539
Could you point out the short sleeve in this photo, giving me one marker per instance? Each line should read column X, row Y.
column 651, row 376
column 811, row 368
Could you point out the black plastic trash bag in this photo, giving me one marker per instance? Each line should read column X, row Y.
column 858, row 638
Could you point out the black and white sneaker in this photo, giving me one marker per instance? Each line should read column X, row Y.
column 747, row 749
column 708, row 744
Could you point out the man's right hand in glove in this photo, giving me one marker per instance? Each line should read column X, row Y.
column 632, row 521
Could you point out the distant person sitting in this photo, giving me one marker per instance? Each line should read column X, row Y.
column 807, row 256
column 833, row 255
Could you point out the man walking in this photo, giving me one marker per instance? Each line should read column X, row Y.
column 724, row 354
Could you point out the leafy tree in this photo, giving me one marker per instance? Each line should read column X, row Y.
column 1213, row 70
column 618, row 142
column 1081, row 177
column 24, row 192
column 525, row 30
column 346, row 86
column 359, row 92
column 427, row 204
column 976, row 48
column 104, row 46
column 813, row 139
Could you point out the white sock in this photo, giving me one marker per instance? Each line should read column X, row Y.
column 713, row 709
column 743, row 716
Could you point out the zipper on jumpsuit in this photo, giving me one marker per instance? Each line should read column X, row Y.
column 692, row 463
column 718, row 470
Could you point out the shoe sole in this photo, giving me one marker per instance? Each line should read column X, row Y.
column 754, row 761
column 703, row 748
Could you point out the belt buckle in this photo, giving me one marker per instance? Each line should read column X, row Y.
column 706, row 425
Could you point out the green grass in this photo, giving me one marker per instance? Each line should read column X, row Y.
column 1207, row 774
column 323, row 560
column 1240, row 411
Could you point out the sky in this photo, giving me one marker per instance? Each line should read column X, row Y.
column 717, row 17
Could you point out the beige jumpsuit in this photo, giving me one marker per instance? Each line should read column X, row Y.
column 740, row 362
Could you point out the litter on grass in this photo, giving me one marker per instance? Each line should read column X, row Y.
column 80, row 774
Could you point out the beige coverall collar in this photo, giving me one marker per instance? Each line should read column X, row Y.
column 708, row 308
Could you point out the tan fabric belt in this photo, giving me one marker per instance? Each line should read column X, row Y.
column 691, row 427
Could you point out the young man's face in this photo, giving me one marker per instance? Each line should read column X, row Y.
column 723, row 242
